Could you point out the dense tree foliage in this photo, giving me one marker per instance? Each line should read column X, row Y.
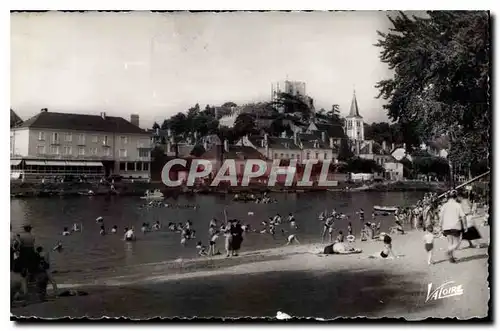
column 440, row 85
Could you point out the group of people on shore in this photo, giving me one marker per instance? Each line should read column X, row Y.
column 29, row 265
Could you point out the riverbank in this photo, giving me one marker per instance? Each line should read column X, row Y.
column 27, row 190
column 293, row 279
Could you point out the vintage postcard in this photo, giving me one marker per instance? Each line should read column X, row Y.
column 268, row 165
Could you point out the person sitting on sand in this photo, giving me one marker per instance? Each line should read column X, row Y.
column 386, row 251
column 397, row 228
column 202, row 250
column 340, row 237
column 66, row 232
column 292, row 239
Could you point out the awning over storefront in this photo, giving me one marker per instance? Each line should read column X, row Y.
column 36, row 163
column 15, row 162
column 75, row 163
column 93, row 164
column 56, row 163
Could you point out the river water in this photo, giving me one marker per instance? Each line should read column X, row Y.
column 88, row 250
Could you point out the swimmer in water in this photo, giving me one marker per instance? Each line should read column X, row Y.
column 99, row 219
column 66, row 232
column 75, row 228
column 58, row 247
column 156, row 226
column 103, row 231
column 114, row 229
column 144, row 228
column 129, row 234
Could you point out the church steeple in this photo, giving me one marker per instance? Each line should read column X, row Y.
column 354, row 111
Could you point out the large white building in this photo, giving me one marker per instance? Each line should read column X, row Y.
column 61, row 144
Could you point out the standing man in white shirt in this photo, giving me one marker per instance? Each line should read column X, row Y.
column 453, row 223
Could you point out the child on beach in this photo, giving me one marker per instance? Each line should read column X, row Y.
column 291, row 239
column 429, row 243
column 202, row 250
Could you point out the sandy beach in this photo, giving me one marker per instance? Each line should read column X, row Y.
column 293, row 279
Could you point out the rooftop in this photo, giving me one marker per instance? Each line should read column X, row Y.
column 80, row 122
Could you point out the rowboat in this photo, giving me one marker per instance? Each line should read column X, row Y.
column 385, row 209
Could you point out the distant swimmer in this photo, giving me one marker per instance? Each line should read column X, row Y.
column 129, row 235
column 58, row 247
column 157, row 226
column 99, row 219
column 292, row 239
column 114, row 229
column 66, row 232
column 291, row 218
column 293, row 225
column 75, row 228
column 102, row 232
column 144, row 228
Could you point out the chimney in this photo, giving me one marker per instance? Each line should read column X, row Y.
column 392, row 147
column 205, row 145
column 265, row 139
column 169, row 147
column 195, row 136
column 169, row 133
column 134, row 119
column 323, row 136
column 331, row 142
column 295, row 137
column 43, row 110
column 226, row 145
column 103, row 115
column 357, row 146
column 384, row 146
column 370, row 144
column 404, row 146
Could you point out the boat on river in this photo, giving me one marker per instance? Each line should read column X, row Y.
column 155, row 195
column 385, row 209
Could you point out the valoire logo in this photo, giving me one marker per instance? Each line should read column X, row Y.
column 446, row 290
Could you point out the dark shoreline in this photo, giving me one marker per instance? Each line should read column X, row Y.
column 29, row 190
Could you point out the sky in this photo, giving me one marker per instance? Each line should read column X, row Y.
column 159, row 64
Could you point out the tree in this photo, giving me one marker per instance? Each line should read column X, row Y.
column 360, row 165
column 156, row 126
column 441, row 79
column 179, row 124
column 291, row 104
column 243, row 125
column 345, row 152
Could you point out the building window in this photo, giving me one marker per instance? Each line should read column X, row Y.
column 130, row 166
column 105, row 141
column 307, row 156
column 81, row 139
column 41, row 135
column 275, row 155
column 286, row 156
column 144, row 153
column 95, row 139
column 317, row 156
column 124, row 140
column 54, row 150
column 40, row 150
column 281, row 155
column 93, row 151
column 123, row 166
column 123, row 153
column 358, row 124
column 326, row 156
column 68, row 137
column 292, row 156
column 145, row 166
column 81, row 151
column 138, row 166
column 55, row 137
column 349, row 125
column 67, row 150
column 106, row 151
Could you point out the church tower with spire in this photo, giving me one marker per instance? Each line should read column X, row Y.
column 354, row 122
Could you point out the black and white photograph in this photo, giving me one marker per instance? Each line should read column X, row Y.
column 272, row 165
